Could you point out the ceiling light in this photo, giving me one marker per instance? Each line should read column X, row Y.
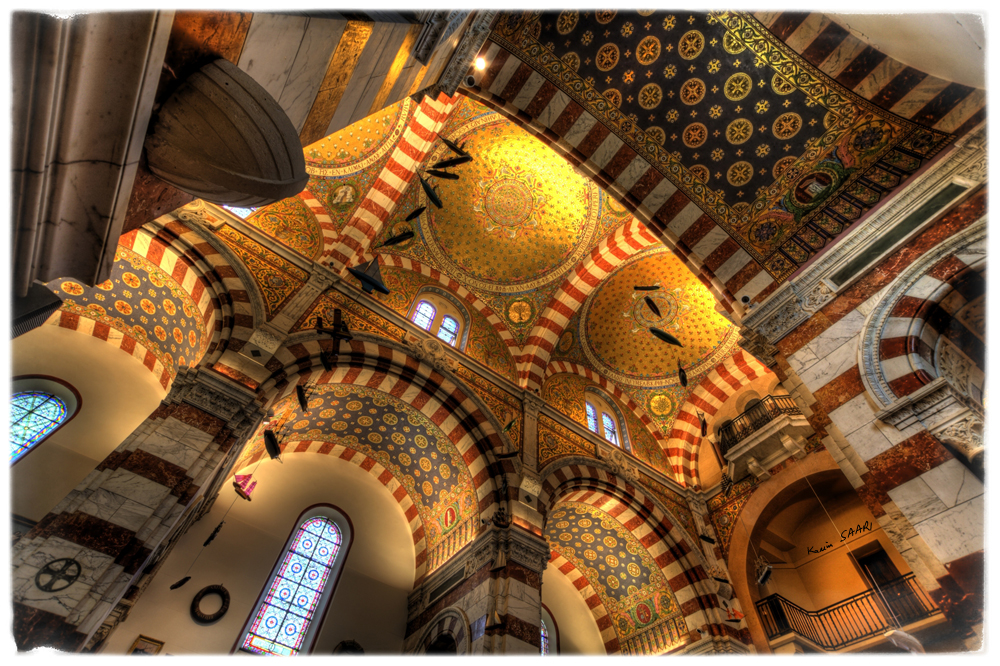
column 480, row 64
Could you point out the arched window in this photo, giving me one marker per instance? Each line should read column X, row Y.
column 289, row 614
column 605, row 419
column 592, row 419
column 424, row 315
column 610, row 431
column 33, row 415
column 449, row 330
column 442, row 314
column 545, row 639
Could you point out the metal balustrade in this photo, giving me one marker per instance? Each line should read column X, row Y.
column 896, row 603
column 756, row 418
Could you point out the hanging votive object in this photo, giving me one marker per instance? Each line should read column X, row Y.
column 215, row 533
column 271, row 444
column 683, row 376
column 244, row 486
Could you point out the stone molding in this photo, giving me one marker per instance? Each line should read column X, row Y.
column 438, row 26
column 971, row 240
column 431, row 351
column 219, row 397
column 472, row 40
column 798, row 299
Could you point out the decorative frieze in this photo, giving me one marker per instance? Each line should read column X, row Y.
column 798, row 299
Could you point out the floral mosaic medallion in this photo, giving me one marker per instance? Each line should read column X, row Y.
column 292, row 223
column 518, row 218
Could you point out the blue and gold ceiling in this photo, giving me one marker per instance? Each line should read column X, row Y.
column 142, row 301
column 619, row 568
column 400, row 438
column 782, row 157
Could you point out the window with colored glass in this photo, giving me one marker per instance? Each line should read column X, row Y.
column 545, row 639
column 610, row 432
column 292, row 600
column 33, row 415
column 592, row 418
column 449, row 330
column 423, row 316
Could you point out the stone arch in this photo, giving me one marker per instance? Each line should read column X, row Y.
column 452, row 622
column 900, row 337
column 708, row 396
column 456, row 288
column 624, row 242
column 380, row 201
column 203, row 272
column 591, row 598
column 678, row 556
column 556, row 367
column 379, row 364
column 640, row 188
column 741, row 561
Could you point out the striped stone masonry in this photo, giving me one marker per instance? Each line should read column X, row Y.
column 734, row 373
column 679, row 559
column 398, row 173
column 623, row 243
column 471, row 591
column 118, row 515
column 377, row 365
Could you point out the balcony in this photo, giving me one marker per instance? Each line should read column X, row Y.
column 856, row 623
column 763, row 436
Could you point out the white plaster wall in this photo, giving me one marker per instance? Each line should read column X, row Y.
column 578, row 632
column 117, row 391
column 369, row 604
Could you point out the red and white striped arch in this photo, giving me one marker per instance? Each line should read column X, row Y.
column 446, row 281
column 385, row 477
column 627, row 240
column 667, row 543
column 922, row 315
column 380, row 201
column 568, row 367
column 591, row 598
column 708, row 396
column 207, row 277
column 326, row 226
column 447, row 404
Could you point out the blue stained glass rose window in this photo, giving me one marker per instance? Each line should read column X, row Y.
column 293, row 596
column 33, row 415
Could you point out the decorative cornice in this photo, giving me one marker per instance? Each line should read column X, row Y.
column 472, row 40
column 219, row 397
column 799, row 298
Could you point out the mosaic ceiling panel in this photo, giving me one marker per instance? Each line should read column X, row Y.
column 278, row 278
column 142, row 301
column 400, row 438
column 517, row 218
column 620, row 569
column 292, row 223
column 778, row 154
column 615, row 323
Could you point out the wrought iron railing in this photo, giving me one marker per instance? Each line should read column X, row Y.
column 895, row 604
column 756, row 418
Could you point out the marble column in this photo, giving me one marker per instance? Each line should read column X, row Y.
column 71, row 570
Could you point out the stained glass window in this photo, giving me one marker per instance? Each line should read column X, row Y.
column 545, row 639
column 423, row 316
column 242, row 212
column 449, row 330
column 291, row 601
column 592, row 418
column 610, row 432
column 33, row 415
